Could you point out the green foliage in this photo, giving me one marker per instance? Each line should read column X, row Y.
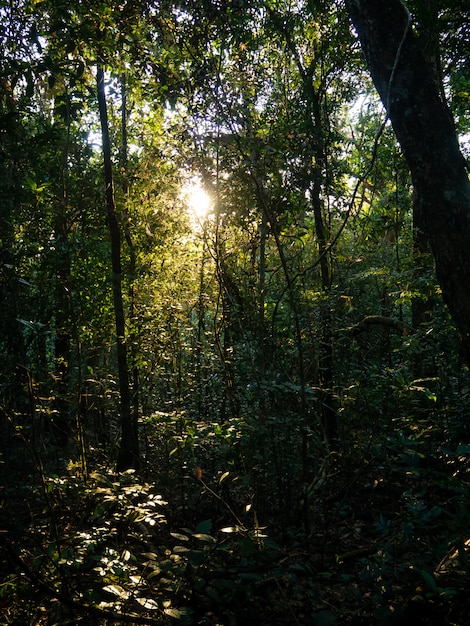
column 292, row 304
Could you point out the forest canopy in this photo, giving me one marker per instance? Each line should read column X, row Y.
column 235, row 312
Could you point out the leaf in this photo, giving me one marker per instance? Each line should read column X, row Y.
column 196, row 557
column 116, row 590
column 428, row 580
column 180, row 536
column 251, row 576
column 176, row 613
column 204, row 537
column 29, row 325
column 223, row 477
column 148, row 603
column 34, row 326
column 204, row 527
column 230, row 529
column 101, row 478
column 213, row 594
column 323, row 618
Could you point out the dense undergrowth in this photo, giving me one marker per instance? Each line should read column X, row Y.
column 379, row 536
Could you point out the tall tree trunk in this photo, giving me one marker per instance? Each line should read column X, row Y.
column 315, row 174
column 12, row 397
column 421, row 309
column 132, row 256
column 62, row 339
column 425, row 130
column 200, row 379
column 231, row 306
column 262, row 353
column 316, row 128
column 128, row 456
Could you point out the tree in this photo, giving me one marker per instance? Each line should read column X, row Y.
column 128, row 456
column 425, row 129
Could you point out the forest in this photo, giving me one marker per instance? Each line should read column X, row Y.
column 235, row 312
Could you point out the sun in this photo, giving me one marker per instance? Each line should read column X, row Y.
column 198, row 201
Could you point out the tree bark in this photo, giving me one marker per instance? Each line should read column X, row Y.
column 128, row 455
column 425, row 130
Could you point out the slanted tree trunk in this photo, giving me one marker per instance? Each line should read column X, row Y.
column 128, row 456
column 425, row 130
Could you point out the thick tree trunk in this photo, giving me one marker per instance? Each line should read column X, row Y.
column 128, row 456
column 424, row 127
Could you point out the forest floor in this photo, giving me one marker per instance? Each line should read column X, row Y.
column 381, row 537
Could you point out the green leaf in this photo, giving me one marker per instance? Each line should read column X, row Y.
column 429, row 580
column 251, row 576
column 323, row 618
column 196, row 557
column 204, row 527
